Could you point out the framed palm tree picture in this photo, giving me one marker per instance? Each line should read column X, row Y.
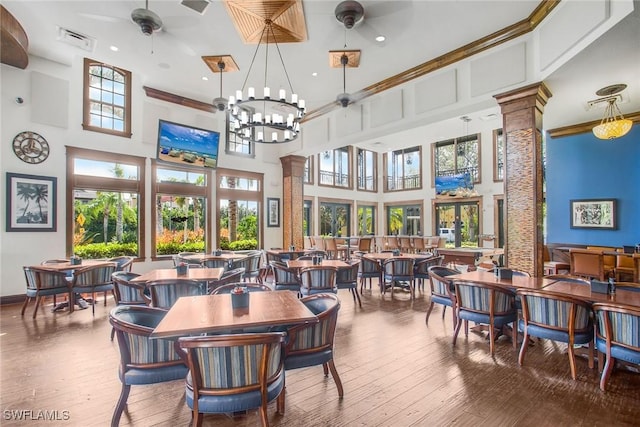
column 31, row 202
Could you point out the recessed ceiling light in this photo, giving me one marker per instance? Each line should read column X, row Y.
column 314, row 74
column 380, row 38
column 114, row 48
column 205, row 78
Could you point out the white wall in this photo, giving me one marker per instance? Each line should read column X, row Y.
column 59, row 120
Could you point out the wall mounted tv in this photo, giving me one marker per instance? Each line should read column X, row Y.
column 187, row 145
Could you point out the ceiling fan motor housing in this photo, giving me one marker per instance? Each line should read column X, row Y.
column 147, row 20
column 349, row 12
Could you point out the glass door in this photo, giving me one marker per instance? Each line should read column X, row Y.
column 335, row 219
column 458, row 223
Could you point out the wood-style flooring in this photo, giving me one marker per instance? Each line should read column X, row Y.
column 396, row 371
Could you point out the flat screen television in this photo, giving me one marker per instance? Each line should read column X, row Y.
column 187, row 145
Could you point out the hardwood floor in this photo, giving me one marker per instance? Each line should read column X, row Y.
column 396, row 371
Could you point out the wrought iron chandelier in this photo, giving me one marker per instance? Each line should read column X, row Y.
column 270, row 119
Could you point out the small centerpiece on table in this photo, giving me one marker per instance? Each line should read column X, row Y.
column 240, row 297
column 182, row 269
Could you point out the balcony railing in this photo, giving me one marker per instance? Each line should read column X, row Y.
column 472, row 171
column 334, row 179
column 408, row 182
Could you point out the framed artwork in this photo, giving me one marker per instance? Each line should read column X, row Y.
column 594, row 213
column 273, row 212
column 31, row 202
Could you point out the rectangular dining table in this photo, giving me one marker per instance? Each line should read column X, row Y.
column 200, row 274
column 67, row 266
column 516, row 282
column 583, row 292
column 214, row 313
column 299, row 264
column 204, row 257
column 382, row 256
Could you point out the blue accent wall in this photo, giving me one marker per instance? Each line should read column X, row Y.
column 584, row 167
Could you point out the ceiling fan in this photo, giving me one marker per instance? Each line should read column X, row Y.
column 344, row 99
column 148, row 21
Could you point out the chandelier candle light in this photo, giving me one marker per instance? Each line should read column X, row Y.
column 268, row 119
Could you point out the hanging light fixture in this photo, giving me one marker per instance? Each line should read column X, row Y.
column 270, row 119
column 220, row 103
column 613, row 124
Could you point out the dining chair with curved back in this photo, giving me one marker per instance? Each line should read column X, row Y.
column 442, row 291
column 285, row 278
column 165, row 292
column 421, row 269
column 312, row 344
column 216, row 263
column 92, row 279
column 486, row 304
column 318, row 279
column 250, row 286
column 418, row 244
column 330, row 247
column 555, row 317
column 347, row 278
column 617, row 335
column 42, row 283
column 229, row 276
column 251, row 265
column 369, row 269
column 142, row 360
column 398, row 269
column 587, row 263
column 364, row 244
column 624, row 266
column 405, row 244
column 235, row 372
column 127, row 292
column 123, row 263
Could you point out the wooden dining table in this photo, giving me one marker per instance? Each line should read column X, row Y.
column 516, row 282
column 382, row 256
column 199, row 274
column 300, row 264
column 214, row 313
column 67, row 266
column 198, row 258
column 583, row 292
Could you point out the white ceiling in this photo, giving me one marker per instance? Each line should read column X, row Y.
column 416, row 32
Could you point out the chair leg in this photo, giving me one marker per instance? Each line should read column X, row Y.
column 325, row 368
column 572, row 359
column 336, row 378
column 455, row 334
column 355, row 291
column 35, row 310
column 113, row 333
column 591, row 354
column 608, row 368
column 444, row 310
column 281, row 402
column 24, row 305
column 122, row 402
column 426, row 319
column 491, row 339
column 523, row 347
column 197, row 419
column 264, row 419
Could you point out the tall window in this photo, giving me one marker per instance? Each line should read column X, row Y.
column 238, row 146
column 107, row 99
column 105, row 193
column 366, row 220
column 404, row 219
column 306, row 218
column 335, row 219
column 181, row 209
column 457, row 156
column 498, row 155
column 239, row 198
column 308, row 171
column 403, row 169
column 367, row 166
column 334, row 168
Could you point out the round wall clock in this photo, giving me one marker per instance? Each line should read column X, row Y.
column 31, row 147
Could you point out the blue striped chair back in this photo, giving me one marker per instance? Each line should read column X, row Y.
column 216, row 263
column 318, row 279
column 317, row 336
column 620, row 326
column 127, row 292
column 440, row 285
column 369, row 267
column 477, row 297
column 94, row 276
column 555, row 312
column 400, row 268
column 165, row 293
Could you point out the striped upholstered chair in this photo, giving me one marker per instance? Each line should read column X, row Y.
column 92, row 279
column 485, row 304
column 318, row 279
column 231, row 373
column 142, row 360
column 558, row 318
column 369, row 269
column 398, row 269
column 442, row 291
column 617, row 335
column 312, row 345
column 165, row 292
column 42, row 283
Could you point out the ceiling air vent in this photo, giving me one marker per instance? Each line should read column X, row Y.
column 198, row 5
column 76, row 39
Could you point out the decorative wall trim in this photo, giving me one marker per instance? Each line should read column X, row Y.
column 586, row 127
column 177, row 99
